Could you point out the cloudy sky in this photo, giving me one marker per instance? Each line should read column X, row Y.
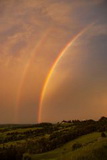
column 33, row 34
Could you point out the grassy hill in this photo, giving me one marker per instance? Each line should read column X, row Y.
column 93, row 147
column 68, row 140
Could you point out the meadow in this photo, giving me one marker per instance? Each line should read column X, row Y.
column 67, row 140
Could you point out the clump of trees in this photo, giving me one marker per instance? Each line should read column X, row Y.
column 9, row 153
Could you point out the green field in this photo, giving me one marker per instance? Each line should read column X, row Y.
column 68, row 140
column 93, row 148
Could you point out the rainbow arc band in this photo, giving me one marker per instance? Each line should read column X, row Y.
column 26, row 68
column 60, row 55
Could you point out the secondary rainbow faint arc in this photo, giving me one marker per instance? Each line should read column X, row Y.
column 69, row 44
column 26, row 68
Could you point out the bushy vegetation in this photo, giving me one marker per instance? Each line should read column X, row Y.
column 23, row 141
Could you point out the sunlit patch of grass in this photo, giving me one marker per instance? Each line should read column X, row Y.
column 66, row 153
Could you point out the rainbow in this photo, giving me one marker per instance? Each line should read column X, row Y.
column 69, row 44
column 26, row 68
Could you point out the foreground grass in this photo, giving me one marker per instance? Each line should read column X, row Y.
column 38, row 142
column 93, row 148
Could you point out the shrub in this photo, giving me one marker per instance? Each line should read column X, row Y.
column 26, row 156
column 76, row 146
column 103, row 134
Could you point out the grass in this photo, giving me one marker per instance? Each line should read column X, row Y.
column 88, row 147
column 93, row 148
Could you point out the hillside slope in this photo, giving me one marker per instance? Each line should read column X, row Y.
column 67, row 140
column 88, row 147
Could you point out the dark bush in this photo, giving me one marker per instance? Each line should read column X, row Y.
column 76, row 146
column 103, row 135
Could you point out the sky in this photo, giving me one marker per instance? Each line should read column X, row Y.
column 53, row 60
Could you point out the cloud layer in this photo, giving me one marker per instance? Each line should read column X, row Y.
column 32, row 34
